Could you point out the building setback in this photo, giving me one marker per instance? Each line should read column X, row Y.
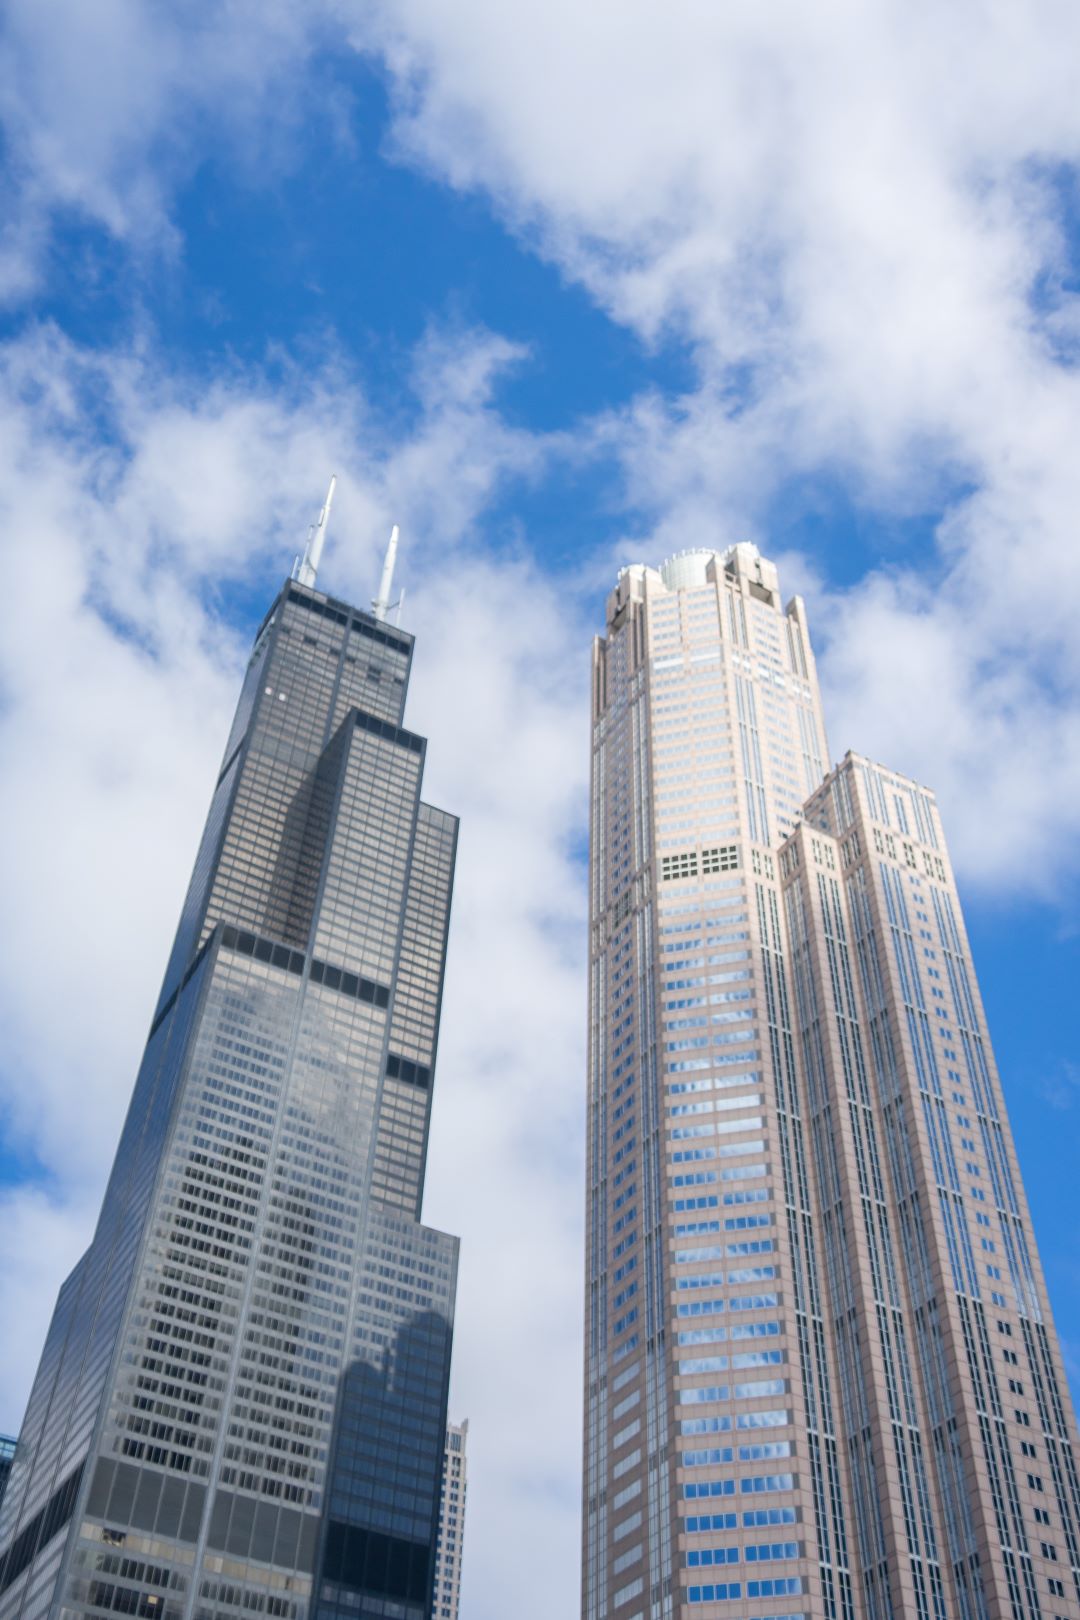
column 822, row 1379
column 7, row 1452
column 241, row 1403
column 451, row 1524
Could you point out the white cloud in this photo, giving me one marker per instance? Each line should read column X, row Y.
column 858, row 219
column 500, row 687
column 744, row 168
column 909, row 681
column 856, row 216
column 106, row 107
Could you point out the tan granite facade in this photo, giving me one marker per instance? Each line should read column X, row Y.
column 821, row 1378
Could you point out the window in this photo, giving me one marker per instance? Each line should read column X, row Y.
column 678, row 866
column 784, row 1515
column 725, row 858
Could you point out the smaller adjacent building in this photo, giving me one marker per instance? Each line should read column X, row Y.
column 7, row 1452
column 451, row 1525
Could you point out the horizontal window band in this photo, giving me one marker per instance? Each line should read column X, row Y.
column 339, row 614
column 349, row 984
column 414, row 1074
column 324, row 973
column 387, row 729
column 263, row 950
column 47, row 1522
column 367, row 1560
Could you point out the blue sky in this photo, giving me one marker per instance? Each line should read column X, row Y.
column 556, row 290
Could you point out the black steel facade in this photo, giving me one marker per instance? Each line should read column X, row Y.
column 241, row 1404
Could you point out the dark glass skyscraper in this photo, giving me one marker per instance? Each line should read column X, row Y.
column 241, row 1405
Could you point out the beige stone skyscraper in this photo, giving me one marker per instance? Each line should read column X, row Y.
column 821, row 1376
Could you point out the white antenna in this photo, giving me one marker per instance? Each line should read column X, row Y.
column 400, row 605
column 306, row 571
column 381, row 604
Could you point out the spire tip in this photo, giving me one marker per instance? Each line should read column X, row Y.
column 381, row 604
column 309, row 566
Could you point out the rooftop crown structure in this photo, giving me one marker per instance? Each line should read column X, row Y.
column 821, row 1376
column 241, row 1404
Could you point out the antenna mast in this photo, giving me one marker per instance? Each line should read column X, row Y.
column 381, row 604
column 306, row 570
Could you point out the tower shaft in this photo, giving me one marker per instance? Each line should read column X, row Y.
column 242, row 1399
column 821, row 1376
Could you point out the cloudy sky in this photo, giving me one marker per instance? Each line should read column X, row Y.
column 555, row 287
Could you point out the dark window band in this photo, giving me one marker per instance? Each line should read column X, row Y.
column 416, row 1074
column 45, row 1524
column 282, row 956
column 368, row 1561
column 350, row 984
column 340, row 615
column 392, row 733
column 263, row 950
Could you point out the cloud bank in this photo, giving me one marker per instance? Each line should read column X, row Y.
column 863, row 220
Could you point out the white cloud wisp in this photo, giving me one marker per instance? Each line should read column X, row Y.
column 863, row 221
